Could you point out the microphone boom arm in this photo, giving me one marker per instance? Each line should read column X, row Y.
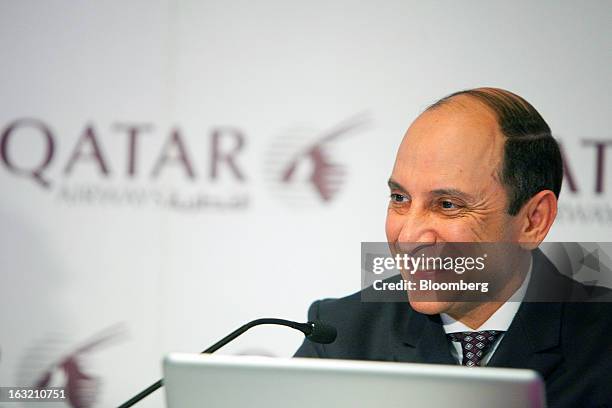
column 326, row 335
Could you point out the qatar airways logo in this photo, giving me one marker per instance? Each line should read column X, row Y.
column 140, row 164
column 44, row 365
column 301, row 165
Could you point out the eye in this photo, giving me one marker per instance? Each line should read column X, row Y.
column 448, row 205
column 399, row 198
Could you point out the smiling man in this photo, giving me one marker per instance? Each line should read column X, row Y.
column 482, row 166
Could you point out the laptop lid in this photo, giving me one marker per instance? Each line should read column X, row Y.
column 211, row 381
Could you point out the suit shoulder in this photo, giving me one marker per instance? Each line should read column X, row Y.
column 355, row 307
column 363, row 327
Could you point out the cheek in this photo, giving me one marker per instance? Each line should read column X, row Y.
column 393, row 226
column 461, row 230
column 510, row 229
column 493, row 229
column 472, row 229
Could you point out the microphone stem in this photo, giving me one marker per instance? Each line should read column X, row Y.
column 304, row 328
column 242, row 329
column 142, row 394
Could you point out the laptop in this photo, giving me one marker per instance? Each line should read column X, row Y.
column 211, row 381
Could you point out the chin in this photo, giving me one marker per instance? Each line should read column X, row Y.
column 429, row 307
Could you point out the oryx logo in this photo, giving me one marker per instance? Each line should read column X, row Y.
column 45, row 365
column 303, row 165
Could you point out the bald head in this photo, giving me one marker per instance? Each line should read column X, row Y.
column 460, row 139
column 531, row 157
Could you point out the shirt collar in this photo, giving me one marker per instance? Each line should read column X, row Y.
column 500, row 320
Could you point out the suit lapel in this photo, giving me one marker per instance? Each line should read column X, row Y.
column 421, row 339
column 532, row 339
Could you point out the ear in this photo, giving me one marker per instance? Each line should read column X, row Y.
column 537, row 216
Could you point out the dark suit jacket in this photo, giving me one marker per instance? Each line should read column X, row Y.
column 568, row 343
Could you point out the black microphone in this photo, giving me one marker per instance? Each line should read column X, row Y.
column 315, row 331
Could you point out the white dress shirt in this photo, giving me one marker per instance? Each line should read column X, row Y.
column 500, row 320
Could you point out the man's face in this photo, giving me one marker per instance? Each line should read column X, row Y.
column 445, row 184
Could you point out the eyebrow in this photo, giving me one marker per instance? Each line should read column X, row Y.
column 452, row 192
column 439, row 192
column 394, row 185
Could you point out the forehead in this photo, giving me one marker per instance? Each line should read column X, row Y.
column 456, row 145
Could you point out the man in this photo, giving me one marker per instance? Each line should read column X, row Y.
column 481, row 166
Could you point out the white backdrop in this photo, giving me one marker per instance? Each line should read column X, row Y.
column 167, row 214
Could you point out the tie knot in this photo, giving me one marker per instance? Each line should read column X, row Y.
column 475, row 344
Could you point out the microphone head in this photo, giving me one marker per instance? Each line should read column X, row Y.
column 322, row 332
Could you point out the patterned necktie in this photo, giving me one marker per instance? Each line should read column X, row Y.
column 475, row 345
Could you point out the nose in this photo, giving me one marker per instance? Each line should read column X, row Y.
column 416, row 226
